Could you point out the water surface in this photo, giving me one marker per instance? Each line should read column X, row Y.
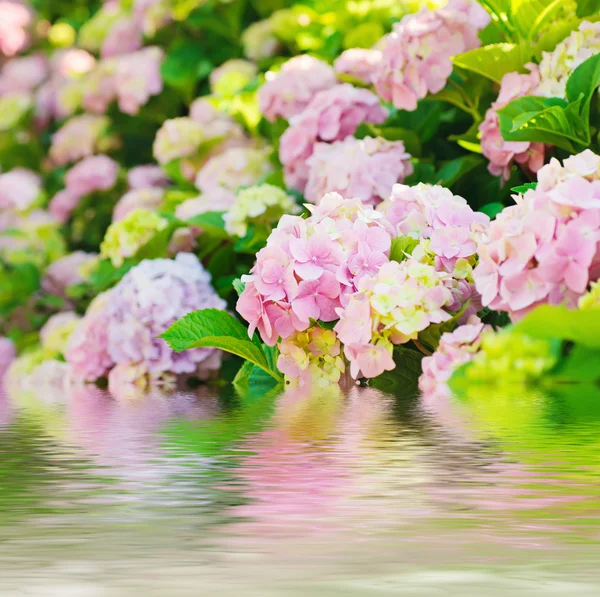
column 354, row 493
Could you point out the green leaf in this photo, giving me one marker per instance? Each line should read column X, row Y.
column 493, row 61
column 582, row 84
column 586, row 8
column 577, row 366
column 239, row 286
column 454, row 170
column 557, row 322
column 184, row 65
column 217, row 329
column 524, row 187
column 401, row 246
column 544, row 120
column 211, row 222
column 430, row 337
column 492, row 209
column 403, row 381
column 106, row 274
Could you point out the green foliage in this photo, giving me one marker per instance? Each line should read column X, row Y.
column 218, row 329
column 493, row 61
column 402, row 247
column 403, row 381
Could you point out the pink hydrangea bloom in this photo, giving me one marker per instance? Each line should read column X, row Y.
column 23, row 74
column 66, row 271
column 289, row 91
column 144, row 198
column 15, row 21
column 391, row 307
column 544, row 249
column 234, row 168
column 125, row 36
column 19, row 188
column 360, row 63
column 502, row 154
column 367, row 169
column 216, row 123
column 134, row 313
column 152, row 15
column 77, row 138
column 7, row 354
column 95, row 173
column 305, row 271
column 455, row 349
column 332, row 115
column 417, row 56
column 215, row 199
column 62, row 205
column 146, row 177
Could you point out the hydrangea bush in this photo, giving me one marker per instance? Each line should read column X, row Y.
column 333, row 192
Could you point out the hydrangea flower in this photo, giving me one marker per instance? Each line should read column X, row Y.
column 289, row 91
column 67, row 271
column 231, row 76
column 56, row 332
column 234, row 168
column 544, row 249
column 152, row 15
column 502, row 154
column 78, row 138
column 391, row 307
column 309, row 266
column 15, row 22
column 19, row 189
column 124, row 36
column 13, row 107
column 125, row 237
column 260, row 41
column 122, row 326
column 23, row 74
column 332, row 115
column 177, row 138
column 359, row 63
column 144, row 198
column 417, row 55
column 455, row 349
column 557, row 66
column 146, row 177
column 259, row 204
column 366, row 168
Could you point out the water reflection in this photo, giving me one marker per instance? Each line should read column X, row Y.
column 348, row 490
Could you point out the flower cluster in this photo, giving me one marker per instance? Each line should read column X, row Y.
column 544, row 249
column 7, row 354
column 417, row 55
column 556, row 66
column 68, row 271
column 309, row 357
column 231, row 77
column 332, row 115
column 95, row 173
column 19, row 190
column 122, row 325
column 263, row 204
column 309, row 266
column 391, row 307
column 358, row 63
column 455, row 349
column 78, row 138
column 502, row 154
column 289, row 91
column 125, row 237
column 260, row 41
column 15, row 23
column 367, row 168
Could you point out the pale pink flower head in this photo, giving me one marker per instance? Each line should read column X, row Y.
column 289, row 91
column 544, row 249
column 216, row 199
column 19, row 188
column 95, row 173
column 147, row 176
column 78, row 138
column 368, row 360
column 7, row 354
column 152, row 15
column 332, row 115
column 61, row 206
column 416, row 57
column 23, row 74
column 144, row 198
column 366, row 169
column 15, row 21
column 125, row 36
column 67, row 271
column 359, row 63
column 137, row 78
column 355, row 325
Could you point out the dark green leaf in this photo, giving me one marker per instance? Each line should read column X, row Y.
column 586, row 8
column 403, row 381
column 211, row 222
column 452, row 171
column 492, row 209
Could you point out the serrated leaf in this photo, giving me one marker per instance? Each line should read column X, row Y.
column 493, row 61
column 217, row 329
